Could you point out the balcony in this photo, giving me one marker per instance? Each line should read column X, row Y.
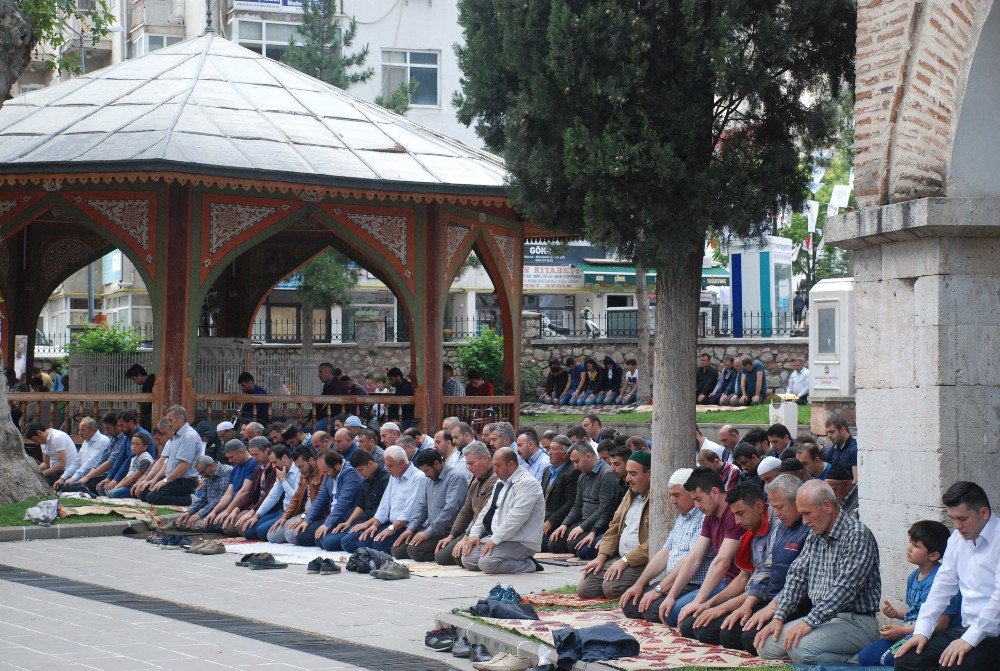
column 157, row 13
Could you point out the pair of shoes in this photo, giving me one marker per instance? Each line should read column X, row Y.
column 264, row 560
column 245, row 559
column 462, row 648
column 323, row 566
column 441, row 639
column 479, row 653
column 176, row 542
column 504, row 661
column 391, row 570
column 156, row 537
column 207, row 547
column 496, row 592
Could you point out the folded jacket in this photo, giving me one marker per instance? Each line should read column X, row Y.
column 503, row 611
column 592, row 644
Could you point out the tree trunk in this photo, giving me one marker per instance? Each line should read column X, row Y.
column 306, row 324
column 17, row 39
column 678, row 285
column 645, row 358
column 20, row 477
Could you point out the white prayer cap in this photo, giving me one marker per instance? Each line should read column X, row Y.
column 680, row 476
column 768, row 464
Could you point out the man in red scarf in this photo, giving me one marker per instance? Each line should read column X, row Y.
column 754, row 515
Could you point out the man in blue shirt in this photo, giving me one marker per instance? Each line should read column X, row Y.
column 530, row 454
column 844, row 447
column 249, row 386
column 181, row 476
column 751, row 387
column 575, row 369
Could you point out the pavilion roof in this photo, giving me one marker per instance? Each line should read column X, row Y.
column 210, row 105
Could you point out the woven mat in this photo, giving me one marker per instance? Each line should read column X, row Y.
column 564, row 601
column 283, row 552
column 661, row 646
column 559, row 559
column 435, row 570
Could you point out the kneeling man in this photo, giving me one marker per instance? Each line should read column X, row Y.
column 627, row 539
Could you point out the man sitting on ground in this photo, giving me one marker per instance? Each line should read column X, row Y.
column 256, row 525
column 251, row 430
column 374, row 481
column 729, row 438
column 93, row 452
column 479, row 464
column 618, row 463
column 703, row 443
column 215, row 480
column 533, row 459
column 798, row 382
column 838, row 571
column 748, row 460
column 752, row 384
column 596, row 500
column 751, row 512
column 768, row 469
column 730, row 474
column 844, row 447
column 706, row 378
column 452, row 456
column 244, row 467
column 842, row 482
column 293, row 436
column 368, row 441
column 398, row 504
column 181, row 476
column 725, row 386
column 423, row 441
column 343, row 441
column 508, row 531
column 720, row 534
column 246, row 500
column 969, row 568
column 139, row 465
column 642, row 600
column 310, row 479
column 812, row 461
column 334, row 501
column 626, row 540
column 443, row 496
column 559, row 483
column 389, row 434
column 59, row 453
column 779, row 438
column 592, row 425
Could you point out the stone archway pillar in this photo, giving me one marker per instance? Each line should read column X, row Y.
column 927, row 310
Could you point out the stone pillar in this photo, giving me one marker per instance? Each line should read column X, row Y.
column 927, row 309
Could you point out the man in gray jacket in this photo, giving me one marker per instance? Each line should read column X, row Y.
column 508, row 531
column 597, row 497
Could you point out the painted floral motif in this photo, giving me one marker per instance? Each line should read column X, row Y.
column 66, row 254
column 132, row 216
column 390, row 230
column 230, row 219
column 505, row 244
column 456, row 236
column 6, row 206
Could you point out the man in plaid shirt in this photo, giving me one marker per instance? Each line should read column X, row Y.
column 838, row 572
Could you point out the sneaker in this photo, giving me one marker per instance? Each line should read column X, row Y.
column 265, row 560
column 496, row 592
column 439, row 631
column 329, row 567
column 441, row 643
column 504, row 662
column 461, row 649
column 314, row 566
column 208, row 548
column 510, row 596
column 175, row 542
column 393, row 570
column 245, row 559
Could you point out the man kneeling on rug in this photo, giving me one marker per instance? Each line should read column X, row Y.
column 627, row 539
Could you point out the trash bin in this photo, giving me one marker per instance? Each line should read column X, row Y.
column 782, row 409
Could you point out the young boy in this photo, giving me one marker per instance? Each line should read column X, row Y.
column 630, row 383
column 925, row 549
column 140, row 463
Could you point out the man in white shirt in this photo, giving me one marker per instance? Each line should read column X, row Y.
column 59, row 453
column 798, row 381
column 533, row 458
column 970, row 566
column 445, row 444
column 398, row 505
column 92, row 454
column 704, row 443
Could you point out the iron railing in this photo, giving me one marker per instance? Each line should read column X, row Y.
column 713, row 322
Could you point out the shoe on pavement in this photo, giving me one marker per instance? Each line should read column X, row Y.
column 392, row 570
column 265, row 560
column 245, row 559
column 538, row 565
column 329, row 567
column 208, row 548
column 461, row 649
column 493, row 659
column 504, row 662
column 496, row 592
column 197, row 545
column 439, row 631
column 314, row 566
column 442, row 643
column 479, row 653
column 510, row 596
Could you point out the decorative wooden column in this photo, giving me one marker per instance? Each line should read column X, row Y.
column 428, row 318
column 177, row 277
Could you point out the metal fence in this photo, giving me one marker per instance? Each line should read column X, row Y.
column 289, row 331
column 713, row 322
column 624, row 324
column 464, row 328
column 721, row 324
column 52, row 346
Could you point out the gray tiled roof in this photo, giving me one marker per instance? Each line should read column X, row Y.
column 209, row 103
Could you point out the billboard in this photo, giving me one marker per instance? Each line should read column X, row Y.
column 269, row 5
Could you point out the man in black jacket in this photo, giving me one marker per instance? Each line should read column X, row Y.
column 707, row 376
column 596, row 500
column 559, row 480
column 555, row 383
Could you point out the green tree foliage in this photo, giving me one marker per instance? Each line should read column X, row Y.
column 322, row 53
column 327, row 280
column 485, row 354
column 113, row 338
column 400, row 99
column 656, row 120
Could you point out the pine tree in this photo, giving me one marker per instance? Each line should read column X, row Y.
column 658, row 120
column 323, row 52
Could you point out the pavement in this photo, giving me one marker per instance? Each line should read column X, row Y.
column 44, row 629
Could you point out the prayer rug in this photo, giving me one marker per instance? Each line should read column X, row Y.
column 283, row 552
column 661, row 647
column 435, row 570
column 559, row 559
column 565, row 601
column 147, row 517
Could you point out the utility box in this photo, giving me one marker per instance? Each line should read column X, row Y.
column 761, row 280
column 831, row 339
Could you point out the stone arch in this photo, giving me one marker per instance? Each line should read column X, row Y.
column 972, row 166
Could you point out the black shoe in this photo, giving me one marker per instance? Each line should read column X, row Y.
column 353, row 562
column 461, row 648
column 478, row 653
column 265, row 561
column 245, row 559
column 435, row 632
column 443, row 643
column 329, row 567
column 314, row 566
column 538, row 568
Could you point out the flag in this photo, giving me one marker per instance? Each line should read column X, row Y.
column 816, row 181
column 841, row 195
column 812, row 214
column 832, row 211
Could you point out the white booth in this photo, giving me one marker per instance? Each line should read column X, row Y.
column 761, row 281
column 831, row 339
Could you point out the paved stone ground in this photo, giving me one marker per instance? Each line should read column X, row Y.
column 40, row 629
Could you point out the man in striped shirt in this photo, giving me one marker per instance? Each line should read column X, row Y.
column 838, row 571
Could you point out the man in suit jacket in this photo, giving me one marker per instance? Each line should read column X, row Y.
column 508, row 532
column 558, row 485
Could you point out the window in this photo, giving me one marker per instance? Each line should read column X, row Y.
column 267, row 38
column 827, row 330
column 149, row 43
column 620, row 301
column 401, row 68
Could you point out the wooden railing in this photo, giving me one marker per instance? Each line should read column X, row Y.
column 64, row 410
column 481, row 410
column 299, row 410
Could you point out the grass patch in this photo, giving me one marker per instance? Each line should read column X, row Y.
column 565, row 589
column 755, row 415
column 12, row 515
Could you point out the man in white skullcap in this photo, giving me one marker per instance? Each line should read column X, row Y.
column 642, row 600
column 768, row 469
